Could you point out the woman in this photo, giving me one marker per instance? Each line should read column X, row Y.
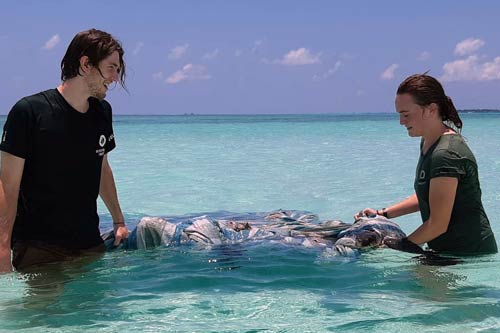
column 447, row 191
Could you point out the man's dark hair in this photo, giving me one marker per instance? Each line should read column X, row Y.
column 96, row 45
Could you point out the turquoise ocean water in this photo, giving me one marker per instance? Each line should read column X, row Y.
column 331, row 165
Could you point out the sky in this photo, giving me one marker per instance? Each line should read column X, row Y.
column 261, row 56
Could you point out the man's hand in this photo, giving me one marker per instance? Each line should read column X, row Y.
column 121, row 233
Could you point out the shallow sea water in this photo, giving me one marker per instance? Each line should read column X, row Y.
column 331, row 165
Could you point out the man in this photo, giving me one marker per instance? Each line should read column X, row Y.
column 54, row 160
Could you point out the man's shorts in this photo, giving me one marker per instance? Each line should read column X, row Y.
column 27, row 254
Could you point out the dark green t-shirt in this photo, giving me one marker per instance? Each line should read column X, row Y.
column 469, row 230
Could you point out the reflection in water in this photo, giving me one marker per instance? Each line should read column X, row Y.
column 440, row 285
column 45, row 282
column 381, row 291
column 227, row 257
column 55, row 294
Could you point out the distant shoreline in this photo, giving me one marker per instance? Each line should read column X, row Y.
column 479, row 111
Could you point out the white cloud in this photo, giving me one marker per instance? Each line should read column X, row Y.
column 52, row 42
column 468, row 46
column 491, row 70
column 424, row 56
column 158, row 76
column 238, row 52
column 299, row 57
column 137, row 48
column 389, row 73
column 211, row 55
column 189, row 72
column 329, row 73
column 177, row 52
column 471, row 69
column 256, row 45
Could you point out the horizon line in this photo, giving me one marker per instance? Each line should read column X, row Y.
column 285, row 114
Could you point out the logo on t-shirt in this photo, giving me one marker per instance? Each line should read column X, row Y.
column 102, row 140
column 422, row 174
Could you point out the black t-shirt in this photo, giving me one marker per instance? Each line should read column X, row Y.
column 469, row 229
column 63, row 151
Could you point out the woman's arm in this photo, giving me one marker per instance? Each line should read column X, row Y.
column 442, row 193
column 407, row 206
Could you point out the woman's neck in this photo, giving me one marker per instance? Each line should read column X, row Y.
column 433, row 135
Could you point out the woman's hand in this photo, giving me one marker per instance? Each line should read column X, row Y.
column 365, row 212
column 403, row 244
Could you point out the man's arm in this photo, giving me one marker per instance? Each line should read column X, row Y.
column 442, row 192
column 11, row 172
column 107, row 191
